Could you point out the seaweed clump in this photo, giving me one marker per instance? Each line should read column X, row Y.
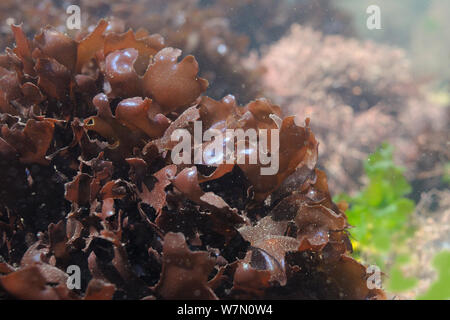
column 210, row 30
column 88, row 180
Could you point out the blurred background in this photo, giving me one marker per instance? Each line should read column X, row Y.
column 378, row 101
